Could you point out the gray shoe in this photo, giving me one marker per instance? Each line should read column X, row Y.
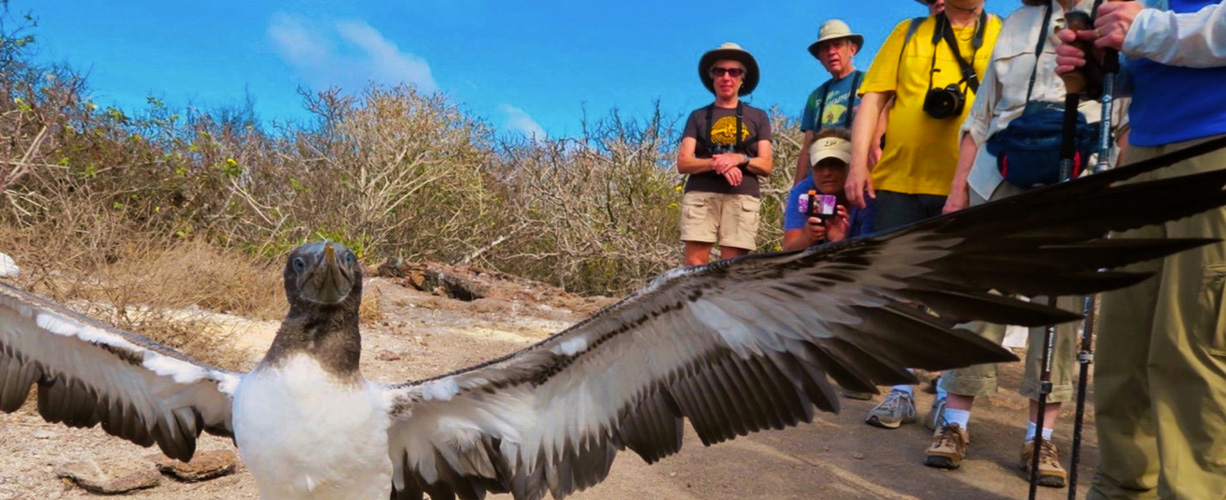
column 936, row 415
column 897, row 409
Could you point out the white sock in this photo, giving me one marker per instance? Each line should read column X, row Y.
column 941, row 394
column 960, row 417
column 1030, row 428
column 905, row 388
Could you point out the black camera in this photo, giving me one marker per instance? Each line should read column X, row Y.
column 946, row 102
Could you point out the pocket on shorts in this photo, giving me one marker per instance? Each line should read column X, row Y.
column 1213, row 284
column 750, row 211
column 693, row 208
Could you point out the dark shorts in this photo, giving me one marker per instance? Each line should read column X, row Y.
column 897, row 209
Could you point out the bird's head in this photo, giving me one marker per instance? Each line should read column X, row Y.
column 323, row 273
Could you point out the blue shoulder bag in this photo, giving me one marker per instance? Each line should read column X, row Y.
column 1028, row 150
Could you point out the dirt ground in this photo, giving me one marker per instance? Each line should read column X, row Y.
column 422, row 334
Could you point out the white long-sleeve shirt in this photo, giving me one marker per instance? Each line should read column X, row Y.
column 1195, row 40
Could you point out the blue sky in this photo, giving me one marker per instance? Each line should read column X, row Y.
column 526, row 67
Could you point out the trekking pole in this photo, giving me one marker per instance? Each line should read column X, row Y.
column 1074, row 85
column 1106, row 149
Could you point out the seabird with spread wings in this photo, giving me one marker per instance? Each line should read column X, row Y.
column 735, row 346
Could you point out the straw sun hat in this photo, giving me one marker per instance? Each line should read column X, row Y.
column 729, row 51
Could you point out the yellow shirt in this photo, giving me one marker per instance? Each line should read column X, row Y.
column 921, row 152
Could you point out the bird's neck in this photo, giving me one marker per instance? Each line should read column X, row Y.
column 330, row 336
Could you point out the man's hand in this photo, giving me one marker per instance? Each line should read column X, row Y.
column 859, row 184
column 838, row 226
column 1069, row 57
column 874, row 154
column 1110, row 29
column 815, row 231
column 725, row 164
column 1113, row 22
column 958, row 199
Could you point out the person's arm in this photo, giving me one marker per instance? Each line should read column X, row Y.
column 859, row 183
column 880, row 84
column 762, row 164
column 1196, row 39
column 802, row 160
column 959, row 191
column 874, row 149
column 974, row 134
column 795, row 239
column 687, row 163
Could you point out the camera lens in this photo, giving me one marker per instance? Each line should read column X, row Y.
column 944, row 103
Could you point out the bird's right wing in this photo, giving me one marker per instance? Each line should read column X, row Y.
column 747, row 344
column 89, row 373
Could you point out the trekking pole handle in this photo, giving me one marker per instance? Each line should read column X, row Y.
column 1075, row 81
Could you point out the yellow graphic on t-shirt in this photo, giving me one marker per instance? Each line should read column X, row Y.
column 834, row 114
column 723, row 132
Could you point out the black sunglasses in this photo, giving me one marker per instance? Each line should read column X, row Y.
column 717, row 72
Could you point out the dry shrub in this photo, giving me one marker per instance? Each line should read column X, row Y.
column 595, row 215
column 390, row 172
column 170, row 293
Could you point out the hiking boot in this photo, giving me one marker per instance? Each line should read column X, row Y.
column 948, row 447
column 897, row 409
column 1051, row 474
column 936, row 415
column 862, row 396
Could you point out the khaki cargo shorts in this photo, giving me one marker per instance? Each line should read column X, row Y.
column 730, row 219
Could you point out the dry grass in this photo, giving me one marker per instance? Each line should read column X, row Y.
column 170, row 294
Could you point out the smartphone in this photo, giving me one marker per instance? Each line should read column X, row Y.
column 821, row 206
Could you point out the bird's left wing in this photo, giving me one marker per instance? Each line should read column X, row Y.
column 747, row 344
column 88, row 373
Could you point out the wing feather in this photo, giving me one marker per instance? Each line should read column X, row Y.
column 750, row 344
column 88, row 373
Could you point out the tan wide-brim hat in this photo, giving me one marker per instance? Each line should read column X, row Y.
column 729, row 51
column 834, row 29
column 830, row 147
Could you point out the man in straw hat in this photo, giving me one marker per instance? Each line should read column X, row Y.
column 833, row 103
column 724, row 148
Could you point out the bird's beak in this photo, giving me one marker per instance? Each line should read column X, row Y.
column 330, row 282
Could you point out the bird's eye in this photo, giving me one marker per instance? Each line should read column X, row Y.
column 350, row 259
column 299, row 264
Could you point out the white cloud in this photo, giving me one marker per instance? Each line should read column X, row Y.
column 346, row 53
column 517, row 120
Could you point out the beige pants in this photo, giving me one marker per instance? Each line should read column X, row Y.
column 1160, row 364
column 980, row 380
column 730, row 219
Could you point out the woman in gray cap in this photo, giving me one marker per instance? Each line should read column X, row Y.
column 725, row 147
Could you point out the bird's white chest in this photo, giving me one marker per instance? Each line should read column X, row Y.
column 304, row 435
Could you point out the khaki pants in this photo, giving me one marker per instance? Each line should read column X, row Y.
column 980, row 380
column 1160, row 364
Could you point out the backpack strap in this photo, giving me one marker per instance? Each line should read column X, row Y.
column 821, row 108
column 851, row 98
column 911, row 29
column 707, row 143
